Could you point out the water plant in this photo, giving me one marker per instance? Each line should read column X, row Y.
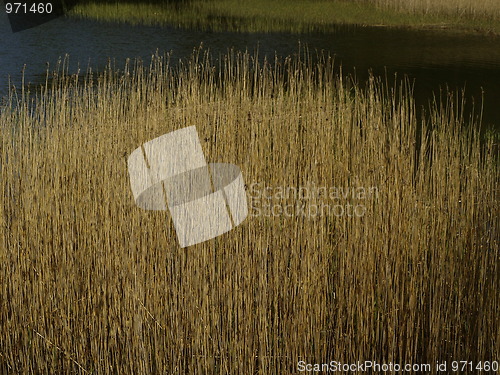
column 300, row 16
column 90, row 283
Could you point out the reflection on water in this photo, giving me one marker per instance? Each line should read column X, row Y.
column 431, row 59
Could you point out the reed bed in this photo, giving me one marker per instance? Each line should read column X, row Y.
column 468, row 8
column 90, row 283
column 300, row 16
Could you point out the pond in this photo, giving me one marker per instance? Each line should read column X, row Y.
column 432, row 59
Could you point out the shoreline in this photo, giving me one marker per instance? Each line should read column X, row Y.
column 281, row 16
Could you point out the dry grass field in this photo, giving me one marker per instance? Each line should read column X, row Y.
column 92, row 284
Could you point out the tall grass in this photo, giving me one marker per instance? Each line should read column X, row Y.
column 90, row 283
column 468, row 8
column 301, row 15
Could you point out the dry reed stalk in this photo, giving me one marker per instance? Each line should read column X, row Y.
column 415, row 280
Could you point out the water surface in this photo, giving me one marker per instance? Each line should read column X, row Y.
column 433, row 60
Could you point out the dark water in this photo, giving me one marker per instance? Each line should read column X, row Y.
column 431, row 59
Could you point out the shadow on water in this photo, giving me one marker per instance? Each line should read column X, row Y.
column 433, row 62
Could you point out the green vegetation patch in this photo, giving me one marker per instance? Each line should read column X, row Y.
column 279, row 15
